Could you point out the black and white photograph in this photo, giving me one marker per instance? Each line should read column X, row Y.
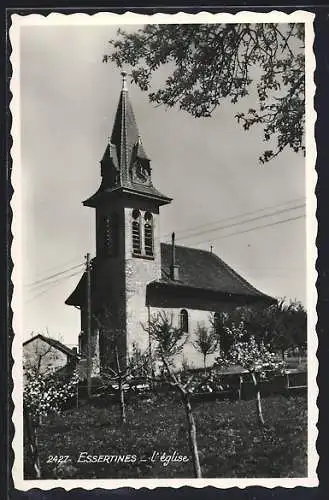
column 164, row 303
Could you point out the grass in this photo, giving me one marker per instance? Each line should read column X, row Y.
column 230, row 442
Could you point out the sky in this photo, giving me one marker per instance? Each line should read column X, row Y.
column 209, row 166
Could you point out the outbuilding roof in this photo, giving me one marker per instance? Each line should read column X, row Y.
column 54, row 343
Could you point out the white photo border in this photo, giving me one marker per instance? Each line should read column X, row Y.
column 108, row 18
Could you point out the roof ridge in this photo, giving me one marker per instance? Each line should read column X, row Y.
column 190, row 248
column 51, row 341
column 32, row 338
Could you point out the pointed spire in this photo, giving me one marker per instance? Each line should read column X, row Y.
column 124, row 80
column 124, row 151
column 125, row 135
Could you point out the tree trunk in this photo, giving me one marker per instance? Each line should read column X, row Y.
column 240, row 387
column 122, row 402
column 77, row 395
column 153, row 384
column 204, row 363
column 190, row 420
column 192, row 436
column 282, row 354
column 31, row 435
column 299, row 356
column 121, row 392
column 258, row 400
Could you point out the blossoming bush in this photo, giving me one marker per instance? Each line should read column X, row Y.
column 44, row 393
column 253, row 356
column 205, row 382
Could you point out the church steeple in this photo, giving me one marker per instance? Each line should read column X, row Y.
column 125, row 135
column 125, row 165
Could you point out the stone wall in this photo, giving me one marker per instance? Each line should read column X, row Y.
column 139, row 272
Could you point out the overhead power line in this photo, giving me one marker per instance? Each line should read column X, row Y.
column 52, row 285
column 58, row 267
column 283, row 221
column 47, row 278
column 246, row 221
column 234, row 217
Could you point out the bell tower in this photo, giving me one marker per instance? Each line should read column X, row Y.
column 127, row 234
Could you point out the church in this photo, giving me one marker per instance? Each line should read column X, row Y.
column 134, row 275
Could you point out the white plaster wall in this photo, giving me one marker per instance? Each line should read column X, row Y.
column 189, row 354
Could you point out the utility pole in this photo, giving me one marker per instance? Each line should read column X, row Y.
column 89, row 360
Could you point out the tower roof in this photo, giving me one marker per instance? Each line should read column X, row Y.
column 124, row 149
column 125, row 135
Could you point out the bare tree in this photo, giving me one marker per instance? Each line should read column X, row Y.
column 169, row 341
column 121, row 376
column 206, row 342
column 39, row 354
column 120, row 369
column 184, row 389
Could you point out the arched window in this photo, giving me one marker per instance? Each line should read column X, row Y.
column 148, row 234
column 184, row 320
column 136, row 232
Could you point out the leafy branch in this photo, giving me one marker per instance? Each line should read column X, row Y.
column 208, row 63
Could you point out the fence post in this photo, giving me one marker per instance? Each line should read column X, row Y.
column 287, row 376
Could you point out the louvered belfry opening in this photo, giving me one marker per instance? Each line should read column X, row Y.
column 136, row 232
column 110, row 235
column 148, row 234
column 107, row 234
